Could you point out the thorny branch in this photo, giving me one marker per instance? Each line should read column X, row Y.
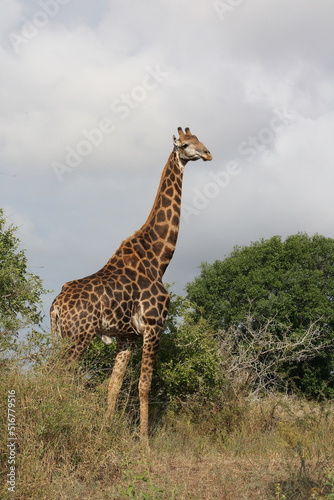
column 252, row 357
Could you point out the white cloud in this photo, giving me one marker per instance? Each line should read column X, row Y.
column 12, row 11
column 222, row 78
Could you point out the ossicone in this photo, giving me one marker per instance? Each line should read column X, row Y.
column 181, row 133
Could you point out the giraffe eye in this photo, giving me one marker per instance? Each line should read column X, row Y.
column 184, row 146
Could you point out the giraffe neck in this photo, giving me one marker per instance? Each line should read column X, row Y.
column 155, row 241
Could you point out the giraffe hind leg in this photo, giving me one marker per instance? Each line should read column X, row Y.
column 80, row 343
column 123, row 354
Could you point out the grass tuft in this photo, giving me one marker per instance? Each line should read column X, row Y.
column 275, row 447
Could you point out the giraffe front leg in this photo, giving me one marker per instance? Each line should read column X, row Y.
column 150, row 349
column 123, row 354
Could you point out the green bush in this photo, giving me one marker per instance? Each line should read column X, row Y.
column 20, row 290
column 187, row 362
column 194, row 367
column 290, row 283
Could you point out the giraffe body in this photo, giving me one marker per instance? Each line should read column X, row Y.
column 126, row 299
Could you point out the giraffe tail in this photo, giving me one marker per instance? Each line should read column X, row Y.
column 54, row 323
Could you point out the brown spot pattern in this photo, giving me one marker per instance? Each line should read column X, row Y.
column 126, row 298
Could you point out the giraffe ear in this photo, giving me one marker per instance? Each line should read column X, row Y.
column 176, row 141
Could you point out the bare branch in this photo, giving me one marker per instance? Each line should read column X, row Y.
column 252, row 357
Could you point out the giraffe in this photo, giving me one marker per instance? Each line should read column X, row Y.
column 126, row 299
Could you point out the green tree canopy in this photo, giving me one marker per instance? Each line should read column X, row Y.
column 290, row 281
column 20, row 290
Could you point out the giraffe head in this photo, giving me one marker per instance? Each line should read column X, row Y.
column 189, row 148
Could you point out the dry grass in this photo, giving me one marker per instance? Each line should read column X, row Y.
column 274, row 448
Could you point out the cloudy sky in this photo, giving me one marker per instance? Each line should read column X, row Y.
column 91, row 94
